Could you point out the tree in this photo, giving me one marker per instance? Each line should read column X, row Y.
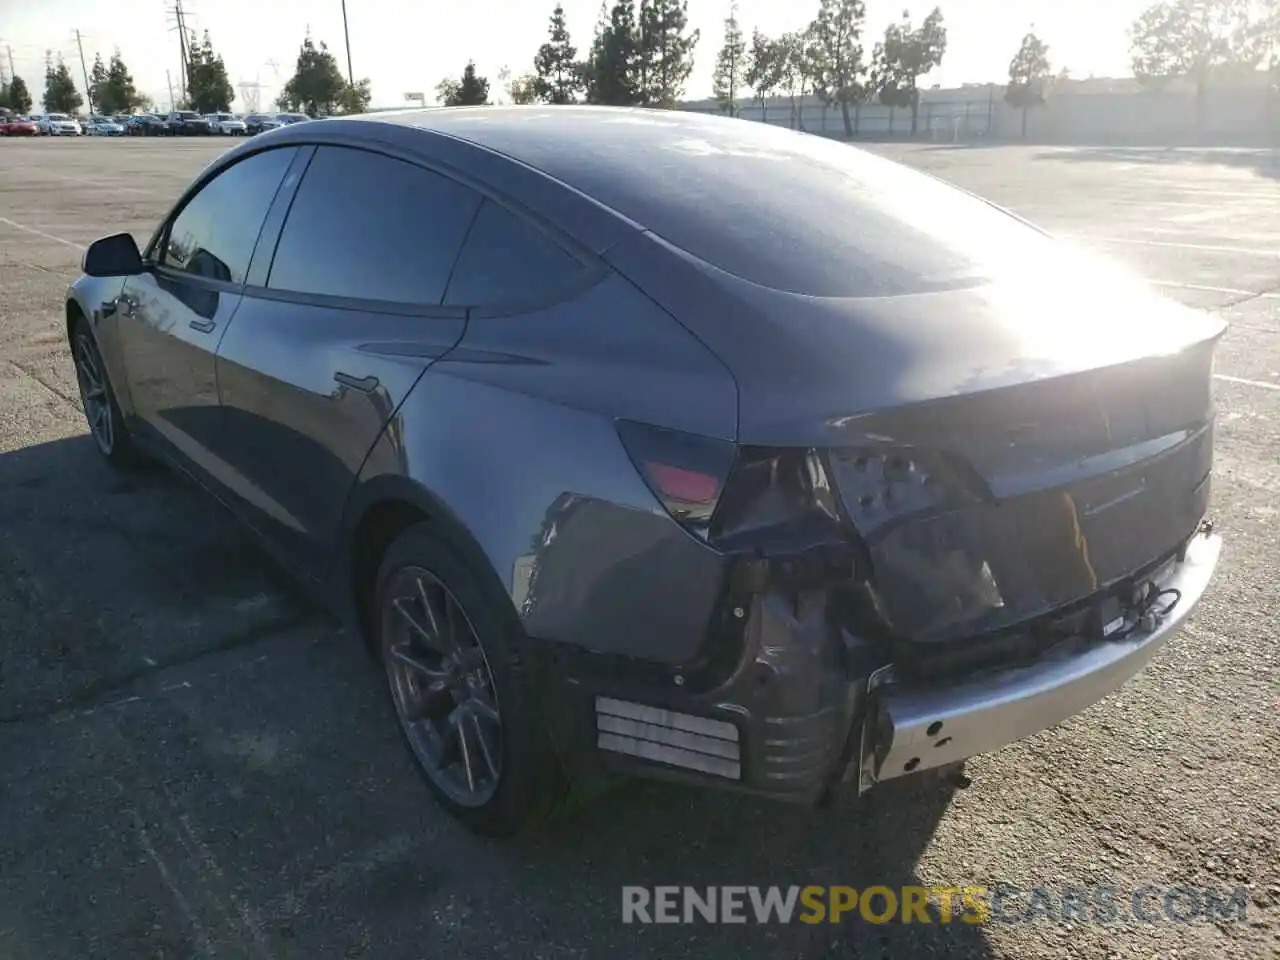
column 838, row 61
column 612, row 70
column 793, row 79
column 730, row 65
column 471, row 91
column 112, row 86
column 60, row 93
column 317, row 85
column 19, row 99
column 97, row 81
column 907, row 53
column 447, row 91
column 520, row 89
column 764, row 70
column 664, row 51
column 209, row 89
column 1196, row 39
column 811, row 67
column 1029, row 73
column 557, row 74
column 118, row 94
column 355, row 97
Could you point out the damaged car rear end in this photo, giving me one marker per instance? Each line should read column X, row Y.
column 967, row 493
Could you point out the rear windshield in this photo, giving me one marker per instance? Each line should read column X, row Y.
column 798, row 213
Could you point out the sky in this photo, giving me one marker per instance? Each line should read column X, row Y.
column 407, row 46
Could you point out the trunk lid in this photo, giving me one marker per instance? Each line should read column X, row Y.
column 994, row 508
column 1005, row 450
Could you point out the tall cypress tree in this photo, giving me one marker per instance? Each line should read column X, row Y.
column 558, row 76
column 612, row 72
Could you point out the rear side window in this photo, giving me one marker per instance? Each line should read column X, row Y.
column 370, row 227
column 214, row 234
column 507, row 261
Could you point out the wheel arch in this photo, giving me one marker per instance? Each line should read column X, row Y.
column 378, row 510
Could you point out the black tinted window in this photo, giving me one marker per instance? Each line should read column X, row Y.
column 794, row 212
column 374, row 228
column 215, row 233
column 505, row 260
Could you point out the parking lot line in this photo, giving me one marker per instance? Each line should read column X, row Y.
column 1178, row 245
column 40, row 233
column 1229, row 291
column 87, row 181
column 1248, row 383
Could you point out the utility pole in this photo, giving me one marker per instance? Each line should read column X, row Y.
column 180, row 18
column 168, row 78
column 88, row 90
column 9, row 50
column 351, row 80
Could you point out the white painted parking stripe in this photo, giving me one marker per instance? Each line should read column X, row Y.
column 40, row 233
column 87, row 181
column 1248, row 383
column 1231, row 291
column 1210, row 247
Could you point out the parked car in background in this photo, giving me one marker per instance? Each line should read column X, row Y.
column 146, row 125
column 285, row 119
column 256, row 123
column 226, row 124
column 16, row 126
column 58, row 125
column 102, row 127
column 188, row 123
column 862, row 477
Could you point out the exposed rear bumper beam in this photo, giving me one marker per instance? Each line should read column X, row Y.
column 932, row 727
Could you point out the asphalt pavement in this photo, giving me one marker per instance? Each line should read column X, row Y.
column 198, row 763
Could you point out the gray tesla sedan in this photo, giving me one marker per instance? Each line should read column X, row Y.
column 653, row 443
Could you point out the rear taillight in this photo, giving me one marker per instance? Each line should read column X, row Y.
column 686, row 472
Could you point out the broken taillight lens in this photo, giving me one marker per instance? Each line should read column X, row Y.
column 685, row 471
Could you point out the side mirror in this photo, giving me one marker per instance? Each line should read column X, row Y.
column 113, row 256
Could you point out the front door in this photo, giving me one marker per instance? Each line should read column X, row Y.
column 172, row 318
column 319, row 359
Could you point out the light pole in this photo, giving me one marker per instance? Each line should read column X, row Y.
column 347, row 38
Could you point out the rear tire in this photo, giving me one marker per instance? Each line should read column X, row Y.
column 98, row 400
column 500, row 735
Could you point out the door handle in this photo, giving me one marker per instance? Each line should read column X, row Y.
column 364, row 384
column 204, row 326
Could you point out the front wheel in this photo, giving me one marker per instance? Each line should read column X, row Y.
column 98, row 399
column 461, row 690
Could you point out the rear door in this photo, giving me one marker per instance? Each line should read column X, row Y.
column 334, row 330
column 172, row 317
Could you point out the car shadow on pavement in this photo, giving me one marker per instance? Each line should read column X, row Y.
column 106, row 576
column 655, row 834
column 267, row 745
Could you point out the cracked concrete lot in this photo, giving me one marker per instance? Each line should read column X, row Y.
column 197, row 763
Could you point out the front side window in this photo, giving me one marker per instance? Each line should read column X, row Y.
column 370, row 227
column 214, row 235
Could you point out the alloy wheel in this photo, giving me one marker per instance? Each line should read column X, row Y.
column 94, row 396
column 442, row 687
